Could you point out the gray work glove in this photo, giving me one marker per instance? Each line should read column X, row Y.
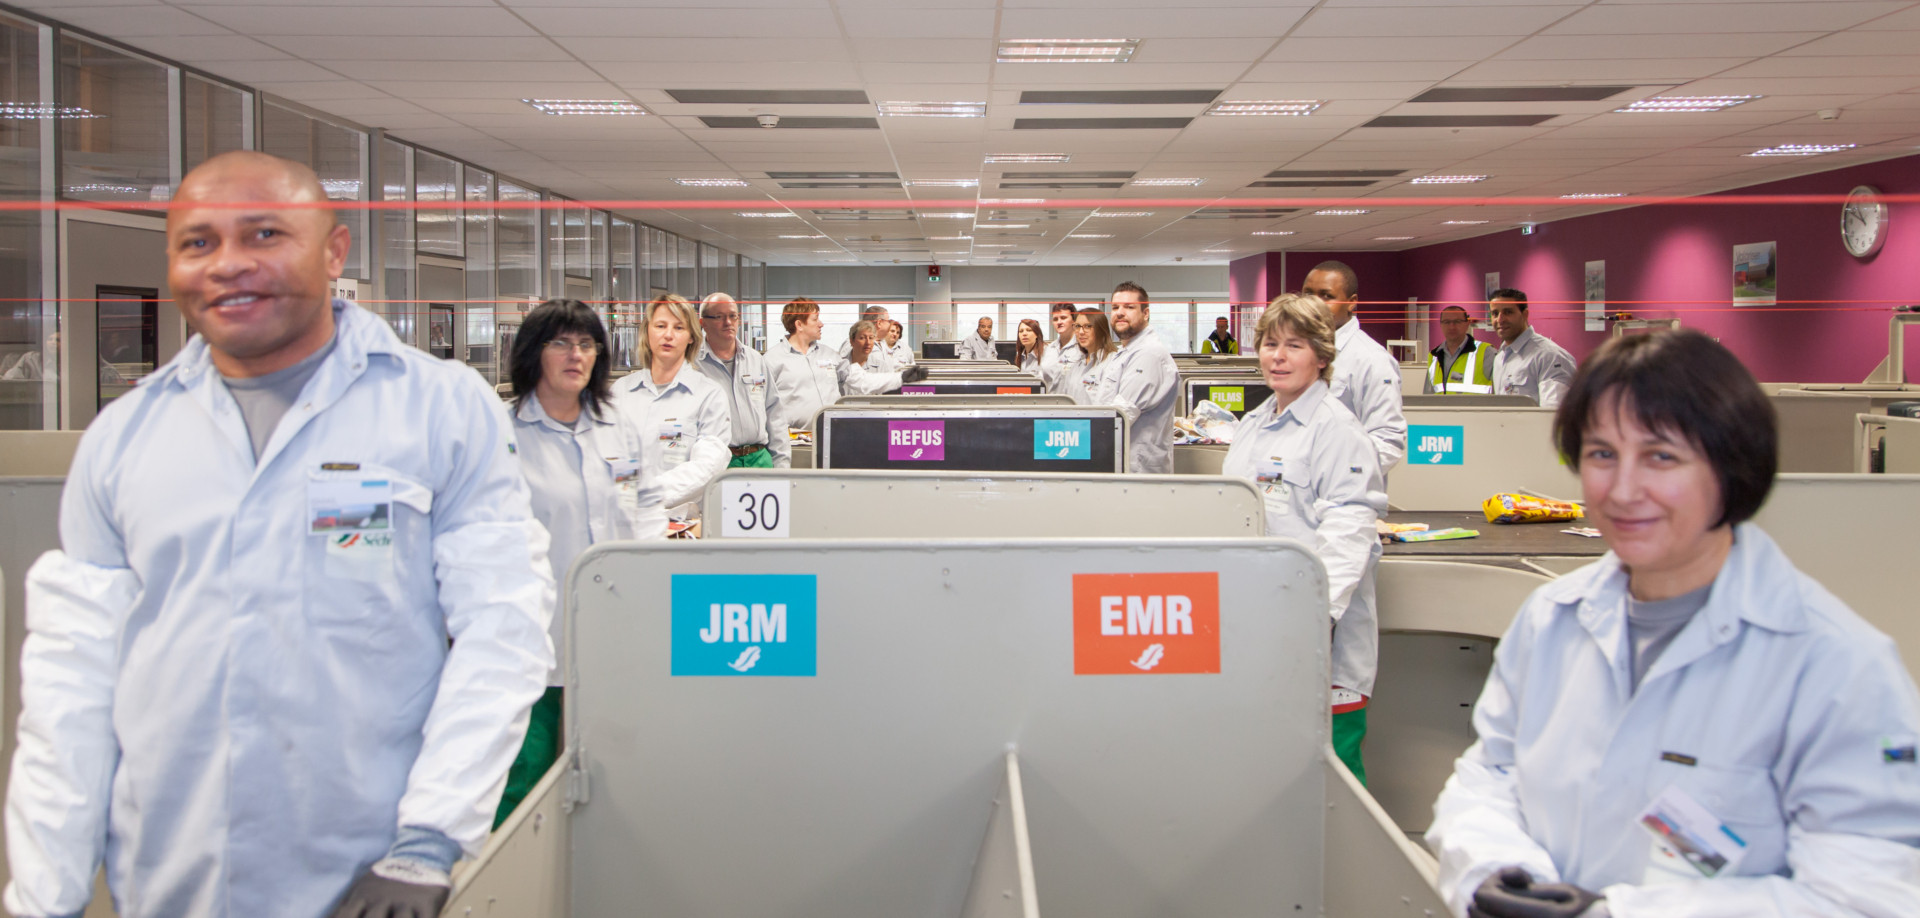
column 1512, row 893
column 913, row 374
column 396, row 888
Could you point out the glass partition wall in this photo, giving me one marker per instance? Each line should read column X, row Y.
column 87, row 119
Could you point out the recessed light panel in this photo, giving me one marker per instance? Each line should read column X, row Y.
column 1584, row 195
column 712, row 182
column 34, row 111
column 1089, row 235
column 1029, row 157
column 1447, row 179
column 935, row 109
column 585, row 106
column 1013, row 200
column 804, row 236
column 1273, row 232
column 1001, row 226
column 1267, row 107
column 1341, row 212
column 1391, row 238
column 833, row 175
column 1167, row 182
column 767, row 214
column 1803, row 149
column 1121, row 213
column 1462, row 222
column 1218, row 251
column 955, row 215
column 943, row 183
column 1066, row 50
column 1686, row 103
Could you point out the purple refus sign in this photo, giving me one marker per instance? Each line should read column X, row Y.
column 916, row 390
column 916, row 441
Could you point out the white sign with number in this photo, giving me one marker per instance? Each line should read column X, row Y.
column 755, row 508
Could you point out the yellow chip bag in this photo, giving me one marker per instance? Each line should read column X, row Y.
column 1520, row 508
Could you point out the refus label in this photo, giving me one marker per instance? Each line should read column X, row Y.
column 1146, row 624
column 744, row 624
column 916, row 441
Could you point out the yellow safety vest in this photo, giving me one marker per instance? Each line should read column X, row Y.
column 1474, row 378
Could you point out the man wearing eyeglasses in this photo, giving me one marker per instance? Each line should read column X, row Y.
column 1459, row 365
column 759, row 427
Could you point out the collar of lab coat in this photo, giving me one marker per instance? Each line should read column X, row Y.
column 643, row 379
column 1521, row 341
column 788, row 344
column 740, row 350
column 1345, row 333
column 357, row 333
column 1303, row 407
column 532, row 412
column 1756, row 584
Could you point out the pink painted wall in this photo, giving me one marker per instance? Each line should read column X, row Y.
column 1830, row 324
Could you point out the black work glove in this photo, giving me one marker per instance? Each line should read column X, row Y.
column 1511, row 893
column 913, row 374
column 396, row 889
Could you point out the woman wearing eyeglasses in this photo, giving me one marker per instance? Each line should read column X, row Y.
column 582, row 461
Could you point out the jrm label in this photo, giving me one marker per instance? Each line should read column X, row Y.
column 1146, row 624
column 1063, row 439
column 1436, row 444
column 744, row 624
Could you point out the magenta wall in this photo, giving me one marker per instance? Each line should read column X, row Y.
column 1664, row 261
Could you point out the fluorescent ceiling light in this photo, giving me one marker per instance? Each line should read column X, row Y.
column 1066, row 50
column 1803, row 149
column 1121, row 213
column 1029, row 157
column 1686, row 103
column 944, row 183
column 954, row 215
column 1167, row 182
column 1462, row 222
column 767, row 213
column 1341, row 212
column 1218, row 251
column 935, row 109
column 994, row 226
column 712, row 182
column 1391, row 238
column 949, row 238
column 1447, row 179
column 1584, row 195
column 1273, row 232
column 804, row 236
column 341, row 188
column 586, row 106
column 34, row 111
column 1267, row 107
column 994, row 245
column 828, row 251
column 1089, row 235
column 844, row 261
column 102, row 188
column 1013, row 200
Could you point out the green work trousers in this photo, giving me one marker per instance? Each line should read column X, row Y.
column 1348, row 730
column 758, row 459
column 537, row 754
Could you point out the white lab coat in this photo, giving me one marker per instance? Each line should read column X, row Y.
column 1031, row 364
column 807, row 381
column 587, row 486
column 881, row 359
column 900, row 354
column 241, row 715
column 1315, row 467
column 686, row 425
column 1141, row 380
column 1785, row 702
column 1367, row 380
column 1534, row 366
column 752, row 406
column 974, row 347
column 1060, row 366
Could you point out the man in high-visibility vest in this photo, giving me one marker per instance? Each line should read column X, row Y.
column 1460, row 365
column 1221, row 341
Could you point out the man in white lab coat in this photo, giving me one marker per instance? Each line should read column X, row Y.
column 1366, row 378
column 979, row 345
column 237, row 683
column 1141, row 380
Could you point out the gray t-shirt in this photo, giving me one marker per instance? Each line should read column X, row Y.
column 1651, row 626
column 264, row 400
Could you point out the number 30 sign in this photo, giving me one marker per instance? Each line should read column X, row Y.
column 754, row 508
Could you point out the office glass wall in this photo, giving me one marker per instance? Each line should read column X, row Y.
column 436, row 229
column 518, row 246
column 339, row 155
column 624, row 277
column 597, row 255
column 482, row 309
column 214, row 119
column 29, row 325
column 554, row 217
column 397, row 251
column 686, row 280
column 113, row 124
column 1174, row 323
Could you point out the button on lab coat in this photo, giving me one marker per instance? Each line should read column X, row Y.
column 1367, row 380
column 1776, row 708
column 252, row 711
column 753, row 408
column 587, row 486
column 1140, row 379
column 1315, row 468
column 686, row 426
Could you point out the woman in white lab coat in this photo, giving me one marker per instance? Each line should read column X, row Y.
column 680, row 410
column 1032, row 346
column 1079, row 378
column 1688, row 726
column 1317, row 472
column 582, row 460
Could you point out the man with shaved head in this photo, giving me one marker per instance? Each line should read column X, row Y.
column 286, row 652
column 759, row 439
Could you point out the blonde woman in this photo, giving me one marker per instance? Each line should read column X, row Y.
column 1321, row 479
column 681, row 412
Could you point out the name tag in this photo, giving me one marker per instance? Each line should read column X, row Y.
column 349, row 505
column 1689, row 840
column 625, row 471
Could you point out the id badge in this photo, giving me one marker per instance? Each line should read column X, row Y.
column 336, row 505
column 625, row 471
column 672, row 443
column 1689, row 842
column 756, row 384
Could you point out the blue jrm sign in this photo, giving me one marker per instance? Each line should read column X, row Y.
column 1436, row 444
column 744, row 624
column 1063, row 439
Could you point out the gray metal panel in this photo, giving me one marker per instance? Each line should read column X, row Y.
column 866, row 790
column 831, row 504
column 1465, row 401
column 1099, row 414
column 1854, row 534
column 1373, row 871
column 952, row 401
column 31, row 509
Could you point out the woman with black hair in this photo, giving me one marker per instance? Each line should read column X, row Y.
column 1688, row 726
column 581, row 459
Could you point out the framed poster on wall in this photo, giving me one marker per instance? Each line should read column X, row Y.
column 1596, row 311
column 1755, row 274
column 1493, row 283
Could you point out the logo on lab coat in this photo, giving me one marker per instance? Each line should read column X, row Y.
column 1436, row 444
column 916, row 441
column 1146, row 624
column 1063, row 439
column 744, row 624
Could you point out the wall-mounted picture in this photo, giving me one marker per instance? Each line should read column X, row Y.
column 1596, row 311
column 1493, row 283
column 1755, row 274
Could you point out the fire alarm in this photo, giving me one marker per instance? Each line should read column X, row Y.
column 933, row 274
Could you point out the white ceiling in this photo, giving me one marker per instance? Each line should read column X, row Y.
column 449, row 74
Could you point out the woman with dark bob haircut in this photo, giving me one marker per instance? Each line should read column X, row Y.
column 1688, row 726
column 582, row 462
